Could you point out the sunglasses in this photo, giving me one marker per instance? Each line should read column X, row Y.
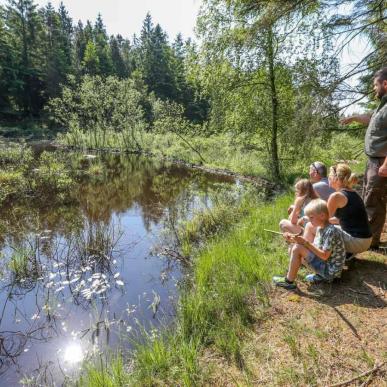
column 314, row 166
column 333, row 169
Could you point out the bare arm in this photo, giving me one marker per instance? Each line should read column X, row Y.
column 296, row 210
column 323, row 254
column 363, row 119
column 335, row 201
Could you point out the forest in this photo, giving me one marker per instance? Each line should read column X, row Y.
column 263, row 79
column 142, row 180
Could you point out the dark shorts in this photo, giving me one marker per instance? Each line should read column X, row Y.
column 319, row 266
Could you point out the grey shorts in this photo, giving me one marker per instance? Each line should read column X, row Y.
column 354, row 245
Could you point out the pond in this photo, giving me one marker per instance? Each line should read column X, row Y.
column 96, row 268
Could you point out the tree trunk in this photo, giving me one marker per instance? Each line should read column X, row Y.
column 274, row 106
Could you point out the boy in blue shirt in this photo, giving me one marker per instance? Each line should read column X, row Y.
column 325, row 257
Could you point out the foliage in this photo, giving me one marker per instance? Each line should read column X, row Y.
column 266, row 75
column 22, row 174
column 41, row 50
column 52, row 174
column 101, row 107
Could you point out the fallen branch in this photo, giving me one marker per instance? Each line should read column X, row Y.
column 359, row 292
column 366, row 373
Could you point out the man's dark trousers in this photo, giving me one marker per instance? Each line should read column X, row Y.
column 374, row 196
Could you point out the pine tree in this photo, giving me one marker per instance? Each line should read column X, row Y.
column 155, row 60
column 119, row 66
column 57, row 60
column 101, row 42
column 8, row 73
column 90, row 63
column 66, row 36
column 24, row 24
column 79, row 47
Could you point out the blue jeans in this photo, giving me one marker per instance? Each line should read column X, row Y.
column 319, row 266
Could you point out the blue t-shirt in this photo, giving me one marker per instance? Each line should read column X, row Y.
column 323, row 189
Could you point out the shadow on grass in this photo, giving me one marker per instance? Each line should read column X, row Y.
column 364, row 284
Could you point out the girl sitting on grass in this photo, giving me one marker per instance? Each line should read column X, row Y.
column 325, row 257
column 304, row 193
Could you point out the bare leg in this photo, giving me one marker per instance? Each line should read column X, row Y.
column 287, row 226
column 296, row 258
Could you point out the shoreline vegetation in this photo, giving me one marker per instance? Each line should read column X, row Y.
column 231, row 327
column 225, row 295
column 259, row 97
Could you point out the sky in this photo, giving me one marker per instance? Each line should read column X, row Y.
column 125, row 17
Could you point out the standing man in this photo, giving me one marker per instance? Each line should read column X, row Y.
column 318, row 176
column 375, row 179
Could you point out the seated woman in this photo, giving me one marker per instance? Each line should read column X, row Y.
column 304, row 193
column 346, row 208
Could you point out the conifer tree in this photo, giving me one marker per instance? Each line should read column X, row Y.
column 90, row 63
column 24, row 24
column 57, row 61
column 101, row 43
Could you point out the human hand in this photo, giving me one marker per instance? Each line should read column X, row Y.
column 346, row 120
column 382, row 170
column 288, row 237
column 290, row 209
column 300, row 239
column 300, row 222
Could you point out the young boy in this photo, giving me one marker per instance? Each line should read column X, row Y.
column 325, row 256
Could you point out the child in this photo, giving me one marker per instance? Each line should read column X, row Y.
column 304, row 193
column 325, row 256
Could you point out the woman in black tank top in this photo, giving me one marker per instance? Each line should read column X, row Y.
column 346, row 208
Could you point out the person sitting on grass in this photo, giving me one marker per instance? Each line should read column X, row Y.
column 304, row 193
column 347, row 210
column 325, row 257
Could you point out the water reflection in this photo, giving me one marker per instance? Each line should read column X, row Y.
column 78, row 274
column 73, row 353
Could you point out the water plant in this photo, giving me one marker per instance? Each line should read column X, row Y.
column 22, row 263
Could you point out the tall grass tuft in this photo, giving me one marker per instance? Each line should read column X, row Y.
column 112, row 374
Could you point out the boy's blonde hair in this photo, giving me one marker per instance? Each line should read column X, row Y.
column 344, row 174
column 316, row 206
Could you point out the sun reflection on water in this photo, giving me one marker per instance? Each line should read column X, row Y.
column 73, row 353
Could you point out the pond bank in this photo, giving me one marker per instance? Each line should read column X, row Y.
column 258, row 181
column 227, row 294
column 84, row 255
column 233, row 328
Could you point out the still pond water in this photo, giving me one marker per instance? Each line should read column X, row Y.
column 98, row 272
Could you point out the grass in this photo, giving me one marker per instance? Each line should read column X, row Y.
column 227, row 150
column 20, row 264
column 111, row 374
column 232, row 328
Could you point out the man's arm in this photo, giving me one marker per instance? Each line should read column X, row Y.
column 363, row 119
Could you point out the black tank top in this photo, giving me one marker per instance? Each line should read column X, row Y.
column 353, row 217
